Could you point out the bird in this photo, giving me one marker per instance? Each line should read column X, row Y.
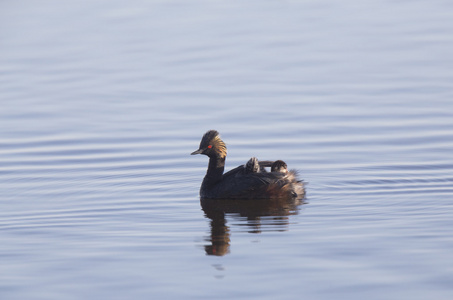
column 279, row 166
column 248, row 181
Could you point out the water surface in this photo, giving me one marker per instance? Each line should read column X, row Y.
column 102, row 102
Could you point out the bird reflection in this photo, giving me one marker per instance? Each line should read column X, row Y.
column 272, row 214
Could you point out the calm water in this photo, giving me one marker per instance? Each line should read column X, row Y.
column 103, row 101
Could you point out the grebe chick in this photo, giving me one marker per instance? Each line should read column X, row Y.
column 279, row 166
column 249, row 181
column 252, row 166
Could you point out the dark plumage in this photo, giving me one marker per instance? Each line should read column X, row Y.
column 249, row 181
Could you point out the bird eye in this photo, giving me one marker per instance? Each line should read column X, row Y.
column 210, row 146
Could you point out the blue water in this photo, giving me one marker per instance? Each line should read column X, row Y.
column 103, row 101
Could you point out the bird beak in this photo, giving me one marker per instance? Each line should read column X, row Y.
column 199, row 151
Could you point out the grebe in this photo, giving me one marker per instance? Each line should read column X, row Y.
column 249, row 181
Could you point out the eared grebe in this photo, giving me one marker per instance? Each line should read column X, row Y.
column 249, row 181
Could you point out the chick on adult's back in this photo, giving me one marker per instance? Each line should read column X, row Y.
column 249, row 181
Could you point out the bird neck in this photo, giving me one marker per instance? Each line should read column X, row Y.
column 215, row 169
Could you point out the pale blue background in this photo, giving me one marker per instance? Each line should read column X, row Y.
column 102, row 102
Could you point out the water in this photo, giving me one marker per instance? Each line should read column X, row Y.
column 103, row 101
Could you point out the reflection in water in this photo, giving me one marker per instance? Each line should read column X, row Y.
column 256, row 213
